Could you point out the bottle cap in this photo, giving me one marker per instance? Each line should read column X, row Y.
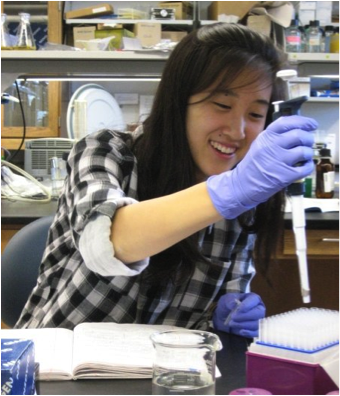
column 249, row 391
column 314, row 23
column 294, row 22
column 324, row 152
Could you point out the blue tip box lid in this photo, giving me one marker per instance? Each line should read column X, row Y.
column 17, row 367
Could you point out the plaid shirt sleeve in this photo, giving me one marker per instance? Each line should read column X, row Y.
column 99, row 172
column 98, row 253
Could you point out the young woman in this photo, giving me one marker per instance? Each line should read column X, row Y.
column 159, row 227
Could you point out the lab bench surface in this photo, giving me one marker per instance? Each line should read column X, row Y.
column 18, row 212
column 231, row 361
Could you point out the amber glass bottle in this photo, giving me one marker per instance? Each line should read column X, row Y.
column 325, row 175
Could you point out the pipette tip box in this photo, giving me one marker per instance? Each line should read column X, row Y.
column 296, row 353
column 287, row 377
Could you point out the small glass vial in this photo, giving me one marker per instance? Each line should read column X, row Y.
column 310, row 181
column 325, row 175
column 329, row 30
column 335, row 41
column 293, row 37
column 25, row 39
column 5, row 38
column 314, row 37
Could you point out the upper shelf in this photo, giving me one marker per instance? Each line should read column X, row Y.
column 104, row 64
column 83, row 55
column 70, row 64
column 301, row 57
column 128, row 21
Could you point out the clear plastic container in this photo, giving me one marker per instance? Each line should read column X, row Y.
column 25, row 39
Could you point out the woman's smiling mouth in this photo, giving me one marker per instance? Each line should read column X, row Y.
column 222, row 149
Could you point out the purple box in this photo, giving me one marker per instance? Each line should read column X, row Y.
column 287, row 377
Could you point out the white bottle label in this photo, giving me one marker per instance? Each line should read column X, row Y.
column 328, row 181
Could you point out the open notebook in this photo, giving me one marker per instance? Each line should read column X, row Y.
column 92, row 350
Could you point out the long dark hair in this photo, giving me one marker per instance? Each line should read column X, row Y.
column 218, row 52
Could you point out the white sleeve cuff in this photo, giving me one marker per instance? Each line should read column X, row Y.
column 97, row 251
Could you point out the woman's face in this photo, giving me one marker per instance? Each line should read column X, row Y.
column 221, row 128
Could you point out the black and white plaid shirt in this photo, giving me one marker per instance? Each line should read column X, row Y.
column 103, row 177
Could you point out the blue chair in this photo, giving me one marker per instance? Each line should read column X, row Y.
column 19, row 267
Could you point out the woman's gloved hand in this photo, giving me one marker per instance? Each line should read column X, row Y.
column 239, row 313
column 267, row 168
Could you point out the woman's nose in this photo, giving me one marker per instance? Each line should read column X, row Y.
column 235, row 129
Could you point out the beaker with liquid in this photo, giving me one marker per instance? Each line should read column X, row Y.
column 25, row 39
column 184, row 362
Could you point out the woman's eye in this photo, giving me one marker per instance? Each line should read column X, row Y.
column 256, row 115
column 222, row 106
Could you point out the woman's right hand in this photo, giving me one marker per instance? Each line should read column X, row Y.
column 268, row 167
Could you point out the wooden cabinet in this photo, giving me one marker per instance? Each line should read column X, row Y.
column 7, row 232
column 323, row 243
column 12, row 133
column 42, row 119
column 281, row 292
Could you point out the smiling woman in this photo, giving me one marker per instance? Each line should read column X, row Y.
column 160, row 226
column 222, row 125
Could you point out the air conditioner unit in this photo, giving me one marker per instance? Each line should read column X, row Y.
column 38, row 154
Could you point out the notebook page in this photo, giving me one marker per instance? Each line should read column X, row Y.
column 123, row 347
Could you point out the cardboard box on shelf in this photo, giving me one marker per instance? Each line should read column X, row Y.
column 238, row 8
column 83, row 33
column 173, row 36
column 88, row 12
column 183, row 9
column 260, row 23
column 91, row 33
column 116, row 42
column 109, row 25
column 149, row 33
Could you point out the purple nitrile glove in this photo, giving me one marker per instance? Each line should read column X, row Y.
column 239, row 313
column 267, row 168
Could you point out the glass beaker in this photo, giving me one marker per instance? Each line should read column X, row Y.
column 5, row 38
column 184, row 362
column 25, row 39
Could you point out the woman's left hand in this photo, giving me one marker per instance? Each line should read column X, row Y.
column 239, row 313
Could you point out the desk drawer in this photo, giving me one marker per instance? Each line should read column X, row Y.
column 319, row 242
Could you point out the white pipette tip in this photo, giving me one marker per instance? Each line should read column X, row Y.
column 306, row 297
column 229, row 317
